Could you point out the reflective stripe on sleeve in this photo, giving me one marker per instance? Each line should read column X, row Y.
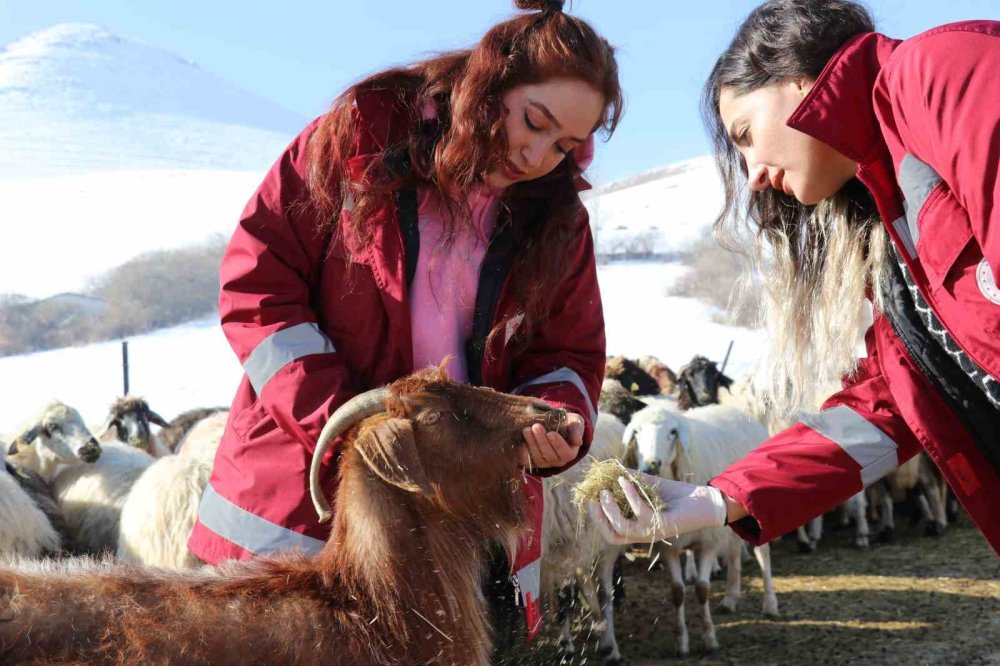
column 916, row 180
column 564, row 375
column 281, row 348
column 529, row 582
column 249, row 531
column 871, row 448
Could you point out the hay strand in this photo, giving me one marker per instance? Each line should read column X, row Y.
column 603, row 475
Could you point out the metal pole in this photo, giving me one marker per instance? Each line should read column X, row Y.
column 722, row 370
column 125, row 365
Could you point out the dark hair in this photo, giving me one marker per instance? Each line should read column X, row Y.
column 466, row 88
column 780, row 40
column 812, row 263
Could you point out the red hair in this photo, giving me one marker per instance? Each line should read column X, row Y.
column 469, row 142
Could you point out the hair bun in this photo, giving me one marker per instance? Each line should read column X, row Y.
column 540, row 5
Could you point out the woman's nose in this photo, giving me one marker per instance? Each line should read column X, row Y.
column 757, row 179
column 533, row 155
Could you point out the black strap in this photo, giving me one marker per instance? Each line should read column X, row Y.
column 968, row 403
column 496, row 265
column 406, row 207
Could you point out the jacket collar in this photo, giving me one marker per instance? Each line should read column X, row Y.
column 838, row 110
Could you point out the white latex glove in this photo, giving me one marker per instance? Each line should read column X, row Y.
column 689, row 507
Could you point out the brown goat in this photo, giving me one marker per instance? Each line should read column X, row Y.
column 425, row 481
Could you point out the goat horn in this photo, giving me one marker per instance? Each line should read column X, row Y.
column 356, row 409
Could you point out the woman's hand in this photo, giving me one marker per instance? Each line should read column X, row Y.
column 689, row 507
column 550, row 449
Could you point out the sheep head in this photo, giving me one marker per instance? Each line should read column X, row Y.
column 60, row 431
column 699, row 382
column 628, row 373
column 655, row 437
column 129, row 420
column 455, row 446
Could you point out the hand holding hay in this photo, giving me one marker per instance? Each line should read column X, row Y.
column 603, row 475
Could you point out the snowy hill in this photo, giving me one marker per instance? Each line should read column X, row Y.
column 193, row 366
column 76, row 98
column 662, row 211
column 62, row 230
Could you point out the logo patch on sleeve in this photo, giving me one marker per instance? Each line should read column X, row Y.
column 987, row 285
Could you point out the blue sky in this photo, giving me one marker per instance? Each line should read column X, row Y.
column 301, row 54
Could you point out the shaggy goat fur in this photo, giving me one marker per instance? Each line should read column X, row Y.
column 397, row 583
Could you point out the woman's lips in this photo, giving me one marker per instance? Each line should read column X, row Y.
column 778, row 183
column 512, row 172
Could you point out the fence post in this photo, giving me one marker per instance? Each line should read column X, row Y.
column 125, row 365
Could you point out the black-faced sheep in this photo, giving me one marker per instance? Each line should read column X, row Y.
column 129, row 420
column 397, row 583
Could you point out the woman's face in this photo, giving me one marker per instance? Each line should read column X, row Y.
column 775, row 154
column 544, row 122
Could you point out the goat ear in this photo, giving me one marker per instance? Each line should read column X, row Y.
column 390, row 451
column 157, row 419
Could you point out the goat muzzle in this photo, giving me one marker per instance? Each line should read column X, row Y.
column 351, row 412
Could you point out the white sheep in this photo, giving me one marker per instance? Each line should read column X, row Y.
column 160, row 511
column 24, row 528
column 695, row 446
column 162, row 506
column 573, row 551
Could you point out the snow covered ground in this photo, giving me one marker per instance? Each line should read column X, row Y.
column 193, row 366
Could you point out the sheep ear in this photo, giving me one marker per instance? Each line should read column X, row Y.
column 106, row 428
column 390, row 451
column 26, row 438
column 157, row 419
column 683, row 437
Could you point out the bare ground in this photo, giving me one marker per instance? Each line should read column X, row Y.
column 919, row 600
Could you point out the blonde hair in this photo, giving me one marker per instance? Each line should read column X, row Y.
column 814, row 280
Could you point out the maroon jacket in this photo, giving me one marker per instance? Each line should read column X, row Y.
column 313, row 328
column 922, row 119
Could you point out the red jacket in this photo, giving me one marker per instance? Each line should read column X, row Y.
column 313, row 328
column 922, row 119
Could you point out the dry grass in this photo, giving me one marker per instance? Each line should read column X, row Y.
column 604, row 475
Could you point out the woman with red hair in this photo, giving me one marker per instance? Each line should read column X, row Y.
column 433, row 212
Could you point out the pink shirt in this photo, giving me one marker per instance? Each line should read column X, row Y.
column 443, row 293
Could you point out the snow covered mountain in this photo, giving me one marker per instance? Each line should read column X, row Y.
column 75, row 98
column 662, row 211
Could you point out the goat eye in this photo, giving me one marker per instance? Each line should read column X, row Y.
column 51, row 429
column 430, row 418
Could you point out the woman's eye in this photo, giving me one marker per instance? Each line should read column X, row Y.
column 532, row 126
column 743, row 138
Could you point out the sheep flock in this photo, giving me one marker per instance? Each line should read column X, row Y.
column 91, row 516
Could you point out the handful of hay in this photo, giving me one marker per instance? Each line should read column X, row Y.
column 603, row 475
